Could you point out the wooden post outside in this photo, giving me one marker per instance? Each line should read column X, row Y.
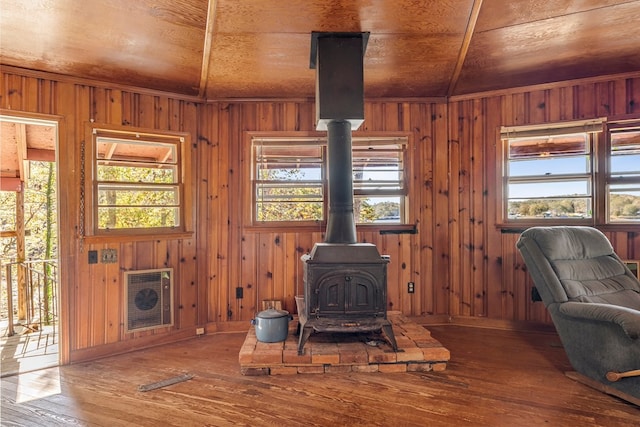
column 20, row 254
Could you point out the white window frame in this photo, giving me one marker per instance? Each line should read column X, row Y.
column 370, row 187
column 172, row 149
column 591, row 130
column 626, row 180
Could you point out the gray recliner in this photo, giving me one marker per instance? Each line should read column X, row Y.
column 594, row 302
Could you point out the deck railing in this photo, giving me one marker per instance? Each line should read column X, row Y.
column 31, row 303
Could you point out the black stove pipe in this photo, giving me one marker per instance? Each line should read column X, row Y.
column 341, row 225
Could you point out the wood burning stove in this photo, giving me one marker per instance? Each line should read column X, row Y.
column 345, row 282
column 345, row 290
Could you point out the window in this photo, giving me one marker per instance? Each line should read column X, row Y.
column 549, row 173
column 137, row 181
column 290, row 180
column 623, row 172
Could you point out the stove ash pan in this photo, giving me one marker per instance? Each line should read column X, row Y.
column 345, row 290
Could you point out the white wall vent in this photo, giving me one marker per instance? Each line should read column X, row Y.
column 148, row 299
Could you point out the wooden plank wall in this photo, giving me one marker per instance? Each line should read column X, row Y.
column 489, row 278
column 266, row 263
column 92, row 295
column 462, row 264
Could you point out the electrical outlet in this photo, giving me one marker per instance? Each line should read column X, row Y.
column 93, row 257
column 239, row 292
column 109, row 256
column 199, row 331
column 411, row 287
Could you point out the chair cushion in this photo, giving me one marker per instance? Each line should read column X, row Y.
column 586, row 265
column 583, row 279
column 568, row 243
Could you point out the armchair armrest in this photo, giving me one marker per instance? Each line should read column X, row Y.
column 627, row 318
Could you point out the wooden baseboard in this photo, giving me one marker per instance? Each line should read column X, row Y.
column 602, row 387
column 87, row 354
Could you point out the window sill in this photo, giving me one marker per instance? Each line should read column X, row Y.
column 521, row 226
column 365, row 228
column 137, row 237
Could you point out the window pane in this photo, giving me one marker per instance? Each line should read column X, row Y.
column 558, row 145
column 111, row 195
column 164, row 174
column 544, row 189
column 288, row 191
column 137, row 217
column 378, row 210
column 549, row 177
column 289, row 182
column 563, row 208
column 378, row 168
column 138, row 180
column 624, row 202
column 284, row 210
column 546, row 166
column 122, row 149
column 290, row 177
column 625, row 154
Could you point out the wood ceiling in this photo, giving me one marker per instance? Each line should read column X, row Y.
column 226, row 49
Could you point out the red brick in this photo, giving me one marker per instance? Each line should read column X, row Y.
column 410, row 354
column 325, row 354
column 419, row 367
column 436, row 354
column 284, row 370
column 270, row 357
column 337, row 369
column 352, row 353
column 392, row 367
column 311, row 369
column 291, row 357
column 254, row 372
column 439, row 367
column 377, row 355
column 365, row 368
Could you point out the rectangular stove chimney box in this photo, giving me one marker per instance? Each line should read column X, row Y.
column 338, row 60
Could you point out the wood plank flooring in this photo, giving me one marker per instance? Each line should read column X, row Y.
column 494, row 378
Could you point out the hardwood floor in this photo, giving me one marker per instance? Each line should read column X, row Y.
column 494, row 378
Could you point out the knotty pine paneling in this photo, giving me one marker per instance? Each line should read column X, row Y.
column 461, row 262
column 266, row 263
column 488, row 277
column 92, row 295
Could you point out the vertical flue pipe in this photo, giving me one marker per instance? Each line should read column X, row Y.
column 341, row 226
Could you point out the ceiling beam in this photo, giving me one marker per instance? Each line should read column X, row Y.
column 10, row 184
column 466, row 41
column 41, row 155
column 206, row 51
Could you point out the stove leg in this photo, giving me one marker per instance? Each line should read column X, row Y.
column 387, row 330
column 305, row 333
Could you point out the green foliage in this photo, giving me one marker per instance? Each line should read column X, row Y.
column 622, row 206
column 41, row 240
column 283, row 195
column 137, row 197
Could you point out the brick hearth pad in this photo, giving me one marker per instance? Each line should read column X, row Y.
column 343, row 352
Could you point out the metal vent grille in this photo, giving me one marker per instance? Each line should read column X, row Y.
column 149, row 299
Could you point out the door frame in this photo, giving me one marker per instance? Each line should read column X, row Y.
column 64, row 239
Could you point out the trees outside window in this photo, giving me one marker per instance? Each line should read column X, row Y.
column 289, row 178
column 583, row 173
column 138, row 181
